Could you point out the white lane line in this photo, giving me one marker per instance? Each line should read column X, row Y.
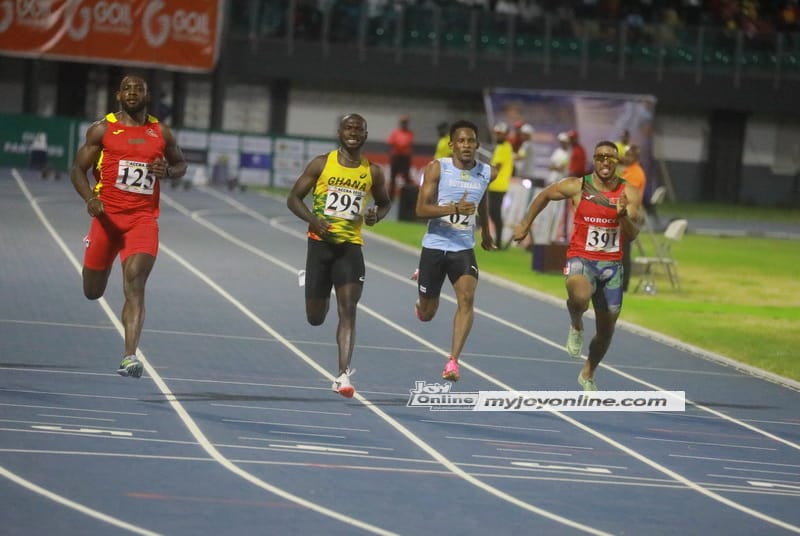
column 282, row 432
column 318, row 448
column 190, row 424
column 78, row 395
column 83, row 509
column 496, row 426
column 370, row 447
column 265, row 408
column 293, row 425
column 63, row 408
column 588, row 429
column 550, row 467
column 528, row 451
column 391, row 274
column 502, row 472
column 451, row 466
column 20, row 421
column 529, row 460
column 74, row 417
column 747, row 470
column 702, row 443
column 509, row 442
column 91, row 431
column 53, row 324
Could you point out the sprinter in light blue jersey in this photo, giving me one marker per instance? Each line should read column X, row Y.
column 453, row 199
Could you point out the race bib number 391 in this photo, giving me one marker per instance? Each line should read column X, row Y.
column 604, row 239
column 344, row 203
column 135, row 177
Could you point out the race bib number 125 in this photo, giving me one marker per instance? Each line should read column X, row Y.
column 135, row 177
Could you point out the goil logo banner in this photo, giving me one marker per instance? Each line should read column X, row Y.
column 175, row 34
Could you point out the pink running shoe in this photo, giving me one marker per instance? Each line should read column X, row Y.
column 450, row 371
column 342, row 384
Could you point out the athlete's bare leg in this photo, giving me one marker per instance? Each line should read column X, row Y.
column 135, row 271
column 347, row 297
column 462, row 322
column 427, row 307
column 605, row 321
column 95, row 282
column 579, row 293
column 317, row 310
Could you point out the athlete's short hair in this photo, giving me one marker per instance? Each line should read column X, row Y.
column 463, row 123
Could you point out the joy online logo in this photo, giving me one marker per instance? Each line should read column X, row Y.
column 437, row 396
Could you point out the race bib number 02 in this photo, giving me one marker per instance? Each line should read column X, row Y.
column 344, row 203
column 459, row 222
column 135, row 177
column 604, row 239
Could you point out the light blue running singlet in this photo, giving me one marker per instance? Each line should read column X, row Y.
column 457, row 232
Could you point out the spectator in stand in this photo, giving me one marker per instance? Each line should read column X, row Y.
column 634, row 175
column 577, row 167
column 443, row 145
column 577, row 158
column 623, row 143
column 518, row 191
column 401, row 142
column 503, row 162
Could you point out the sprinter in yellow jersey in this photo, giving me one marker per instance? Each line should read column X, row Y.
column 342, row 182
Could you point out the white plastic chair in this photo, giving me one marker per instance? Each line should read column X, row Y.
column 663, row 257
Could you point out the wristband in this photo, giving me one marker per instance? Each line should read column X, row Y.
column 167, row 174
column 91, row 199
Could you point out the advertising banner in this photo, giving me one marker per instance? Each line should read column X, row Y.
column 17, row 134
column 179, row 34
column 194, row 144
column 223, row 157
column 594, row 116
column 255, row 160
column 289, row 159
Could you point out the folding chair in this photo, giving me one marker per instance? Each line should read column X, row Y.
column 658, row 196
column 663, row 257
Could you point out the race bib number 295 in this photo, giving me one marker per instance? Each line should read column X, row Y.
column 135, row 177
column 344, row 203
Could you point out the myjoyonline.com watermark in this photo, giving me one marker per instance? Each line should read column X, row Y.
column 440, row 397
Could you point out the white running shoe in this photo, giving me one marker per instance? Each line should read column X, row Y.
column 343, row 386
column 574, row 343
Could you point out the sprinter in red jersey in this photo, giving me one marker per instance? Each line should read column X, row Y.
column 129, row 152
column 606, row 216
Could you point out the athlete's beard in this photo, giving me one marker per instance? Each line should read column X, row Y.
column 135, row 109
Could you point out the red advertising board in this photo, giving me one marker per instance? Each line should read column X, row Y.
column 174, row 34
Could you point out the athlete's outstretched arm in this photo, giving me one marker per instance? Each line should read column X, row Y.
column 564, row 189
